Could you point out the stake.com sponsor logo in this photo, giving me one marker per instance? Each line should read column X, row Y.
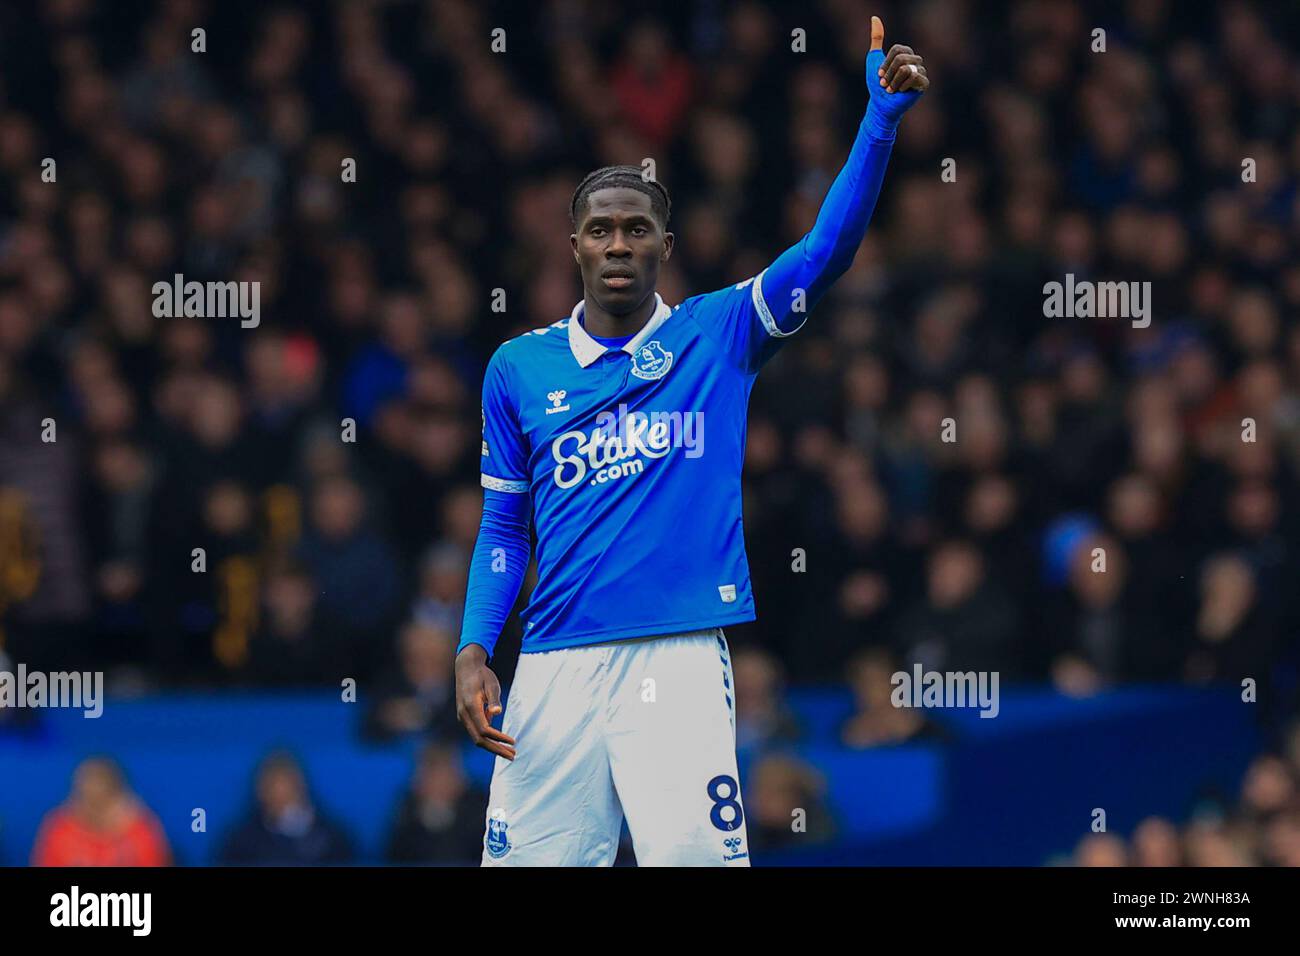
column 620, row 442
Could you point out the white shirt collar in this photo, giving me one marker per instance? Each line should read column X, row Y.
column 586, row 349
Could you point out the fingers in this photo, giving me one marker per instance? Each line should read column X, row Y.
column 917, row 81
column 479, row 727
column 877, row 34
column 491, row 733
column 900, row 63
column 496, row 742
column 498, row 749
column 908, row 76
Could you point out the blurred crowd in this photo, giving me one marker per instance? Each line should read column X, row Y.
column 1260, row 827
column 438, row 820
column 128, row 441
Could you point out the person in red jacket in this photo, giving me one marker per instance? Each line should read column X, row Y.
column 102, row 823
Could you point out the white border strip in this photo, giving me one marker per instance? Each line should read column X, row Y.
column 503, row 484
column 765, row 314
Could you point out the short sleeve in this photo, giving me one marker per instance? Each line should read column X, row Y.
column 739, row 320
column 504, row 458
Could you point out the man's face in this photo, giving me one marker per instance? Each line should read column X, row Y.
column 618, row 247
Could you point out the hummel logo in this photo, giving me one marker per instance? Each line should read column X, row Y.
column 556, row 398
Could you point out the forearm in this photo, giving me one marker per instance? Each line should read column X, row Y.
column 496, row 570
column 799, row 277
column 825, row 253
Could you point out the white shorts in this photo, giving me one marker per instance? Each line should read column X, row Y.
column 642, row 728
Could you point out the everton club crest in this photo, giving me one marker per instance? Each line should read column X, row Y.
column 650, row 361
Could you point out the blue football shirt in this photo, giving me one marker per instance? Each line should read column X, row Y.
column 632, row 457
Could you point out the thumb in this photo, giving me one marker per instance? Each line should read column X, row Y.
column 877, row 34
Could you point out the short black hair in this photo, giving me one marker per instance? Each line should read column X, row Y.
column 627, row 177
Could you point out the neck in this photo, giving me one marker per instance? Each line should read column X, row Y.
column 607, row 325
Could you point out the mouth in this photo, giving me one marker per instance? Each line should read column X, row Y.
column 618, row 277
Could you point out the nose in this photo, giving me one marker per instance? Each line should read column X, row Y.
column 618, row 247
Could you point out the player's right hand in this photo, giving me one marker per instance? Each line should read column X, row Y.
column 478, row 700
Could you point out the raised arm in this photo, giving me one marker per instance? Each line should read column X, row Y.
column 894, row 82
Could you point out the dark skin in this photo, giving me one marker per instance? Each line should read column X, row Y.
column 478, row 700
column 619, row 247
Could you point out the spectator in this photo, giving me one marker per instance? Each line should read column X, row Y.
column 762, row 716
column 284, row 827
column 354, row 567
column 441, row 819
column 102, row 823
column 878, row 720
column 965, row 622
column 786, row 805
column 294, row 646
column 419, row 698
column 1156, row 843
column 1101, row 849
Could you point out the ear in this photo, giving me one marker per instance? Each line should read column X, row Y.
column 668, row 247
column 573, row 241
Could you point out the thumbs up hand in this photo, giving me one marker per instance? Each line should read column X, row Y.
column 894, row 81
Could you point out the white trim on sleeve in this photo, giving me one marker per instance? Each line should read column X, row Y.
column 765, row 314
column 503, row 484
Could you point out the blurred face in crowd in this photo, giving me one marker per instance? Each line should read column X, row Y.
column 862, row 510
column 956, row 571
column 216, row 414
column 1227, row 593
column 228, row 510
column 1094, row 587
column 97, row 788
column 1134, row 506
column 1207, row 844
column 443, row 575
column 337, row 508
column 427, row 653
column 619, row 246
column 440, row 778
column 756, row 679
column 991, row 505
column 1281, row 840
column 121, row 466
column 871, row 676
column 1155, row 843
column 290, row 597
column 280, row 788
column 1268, row 786
column 780, row 785
column 1253, row 509
column 1101, row 849
column 403, row 325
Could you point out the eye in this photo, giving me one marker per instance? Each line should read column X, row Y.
column 596, row 231
column 639, row 231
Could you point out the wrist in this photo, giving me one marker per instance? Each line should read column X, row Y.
column 879, row 124
column 471, row 655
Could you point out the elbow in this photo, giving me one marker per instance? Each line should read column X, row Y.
column 828, row 259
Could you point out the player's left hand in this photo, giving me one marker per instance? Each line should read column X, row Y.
column 895, row 80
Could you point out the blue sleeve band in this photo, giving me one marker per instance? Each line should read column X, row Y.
column 496, row 570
